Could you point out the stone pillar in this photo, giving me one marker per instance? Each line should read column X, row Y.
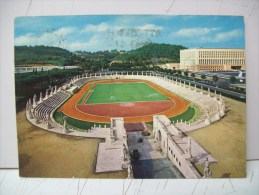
column 30, row 114
column 215, row 97
column 27, row 106
column 55, row 90
column 65, row 129
column 37, row 121
column 207, row 120
column 130, row 172
column 29, row 102
column 201, row 90
column 48, row 121
column 206, row 171
column 40, row 97
column 190, row 85
column 34, row 102
column 51, row 91
column 195, row 87
column 208, row 92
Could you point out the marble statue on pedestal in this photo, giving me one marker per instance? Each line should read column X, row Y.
column 48, row 121
column 206, row 171
column 65, row 124
column 34, row 102
column 129, row 171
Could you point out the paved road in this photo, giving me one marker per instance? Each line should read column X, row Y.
column 232, row 94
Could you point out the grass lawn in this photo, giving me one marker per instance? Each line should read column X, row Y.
column 76, row 124
column 124, row 92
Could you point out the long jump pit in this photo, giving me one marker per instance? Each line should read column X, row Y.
column 134, row 100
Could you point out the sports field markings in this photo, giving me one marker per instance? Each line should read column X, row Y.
column 130, row 119
column 84, row 96
column 160, row 88
column 124, row 92
column 148, row 115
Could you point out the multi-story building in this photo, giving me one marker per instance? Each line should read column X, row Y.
column 212, row 59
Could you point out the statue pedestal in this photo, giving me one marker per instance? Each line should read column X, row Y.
column 207, row 121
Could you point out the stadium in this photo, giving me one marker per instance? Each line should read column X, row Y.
column 122, row 106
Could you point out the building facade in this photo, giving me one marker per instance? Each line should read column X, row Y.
column 206, row 59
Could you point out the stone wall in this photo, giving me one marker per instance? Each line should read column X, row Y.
column 166, row 133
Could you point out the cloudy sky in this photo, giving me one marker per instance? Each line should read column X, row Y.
column 126, row 32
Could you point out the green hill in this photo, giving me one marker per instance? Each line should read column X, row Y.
column 43, row 55
column 158, row 53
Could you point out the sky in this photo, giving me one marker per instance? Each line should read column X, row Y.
column 126, row 32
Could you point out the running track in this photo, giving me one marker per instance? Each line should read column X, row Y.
column 169, row 108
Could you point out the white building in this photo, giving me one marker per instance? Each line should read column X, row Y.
column 212, row 59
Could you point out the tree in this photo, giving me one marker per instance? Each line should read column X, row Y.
column 215, row 78
column 186, row 73
column 193, row 75
column 203, row 76
column 233, row 80
column 179, row 72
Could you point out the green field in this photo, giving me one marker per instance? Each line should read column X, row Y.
column 124, row 92
column 78, row 125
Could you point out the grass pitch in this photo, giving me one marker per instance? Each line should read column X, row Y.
column 124, row 92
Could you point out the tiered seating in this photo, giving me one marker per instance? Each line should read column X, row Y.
column 80, row 82
column 47, row 106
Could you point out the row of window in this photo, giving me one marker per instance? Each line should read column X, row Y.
column 173, row 155
column 221, row 61
column 224, row 54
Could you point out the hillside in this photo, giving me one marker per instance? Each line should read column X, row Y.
column 43, row 55
column 158, row 53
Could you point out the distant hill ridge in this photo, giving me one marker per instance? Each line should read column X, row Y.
column 42, row 55
column 47, row 55
column 153, row 51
